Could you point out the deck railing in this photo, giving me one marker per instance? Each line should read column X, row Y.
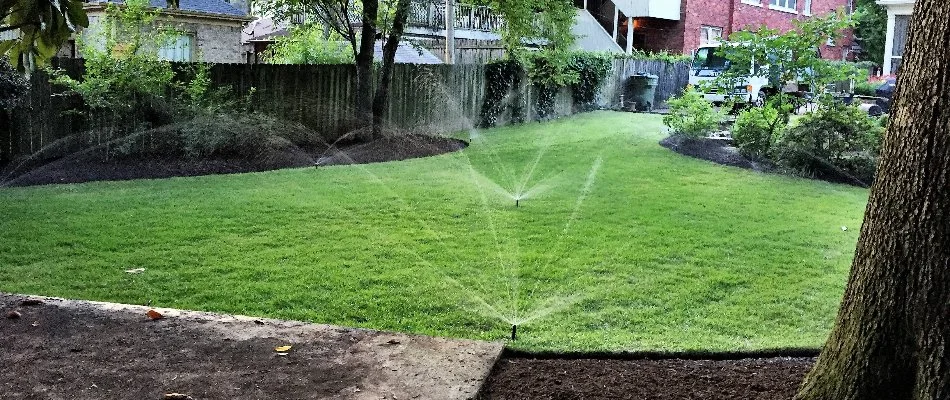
column 467, row 16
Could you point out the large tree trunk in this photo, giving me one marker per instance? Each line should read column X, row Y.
column 891, row 339
column 364, row 62
column 389, row 60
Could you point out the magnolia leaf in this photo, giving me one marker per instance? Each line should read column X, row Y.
column 283, row 349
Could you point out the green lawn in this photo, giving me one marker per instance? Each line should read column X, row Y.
column 664, row 252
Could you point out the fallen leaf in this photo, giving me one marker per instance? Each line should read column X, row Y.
column 177, row 396
column 135, row 271
column 31, row 302
column 393, row 341
column 844, row 228
column 154, row 314
column 14, row 315
column 283, row 349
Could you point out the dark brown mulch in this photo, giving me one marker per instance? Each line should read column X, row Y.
column 563, row 379
column 718, row 151
column 78, row 168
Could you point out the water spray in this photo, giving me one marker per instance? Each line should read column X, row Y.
column 514, row 332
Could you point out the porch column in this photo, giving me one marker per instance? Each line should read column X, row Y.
column 889, row 43
column 629, row 35
column 616, row 18
column 450, row 31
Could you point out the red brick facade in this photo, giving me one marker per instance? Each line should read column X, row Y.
column 683, row 36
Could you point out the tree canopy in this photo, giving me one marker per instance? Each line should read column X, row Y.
column 42, row 25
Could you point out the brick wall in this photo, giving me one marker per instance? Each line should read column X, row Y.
column 683, row 36
column 216, row 43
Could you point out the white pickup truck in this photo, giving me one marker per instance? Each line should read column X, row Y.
column 752, row 89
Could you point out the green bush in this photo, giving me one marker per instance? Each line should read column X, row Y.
column 691, row 115
column 865, row 88
column 500, row 77
column 13, row 86
column 592, row 69
column 837, row 142
column 756, row 130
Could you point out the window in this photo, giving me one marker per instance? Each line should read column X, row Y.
column 789, row 5
column 807, row 10
column 901, row 23
column 179, row 49
column 709, row 34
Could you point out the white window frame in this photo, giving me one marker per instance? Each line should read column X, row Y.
column 807, row 10
column 789, row 6
column 706, row 38
column 757, row 3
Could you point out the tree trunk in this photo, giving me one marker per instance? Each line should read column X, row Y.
column 364, row 62
column 891, row 339
column 389, row 60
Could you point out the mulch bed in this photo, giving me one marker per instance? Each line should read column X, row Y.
column 79, row 168
column 563, row 379
column 719, row 151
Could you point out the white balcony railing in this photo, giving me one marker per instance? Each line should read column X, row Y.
column 467, row 17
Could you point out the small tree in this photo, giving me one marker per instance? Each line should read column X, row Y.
column 309, row 44
column 124, row 77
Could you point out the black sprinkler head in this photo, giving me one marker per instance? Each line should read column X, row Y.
column 514, row 332
column 517, row 202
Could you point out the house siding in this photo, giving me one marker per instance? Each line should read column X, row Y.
column 216, row 43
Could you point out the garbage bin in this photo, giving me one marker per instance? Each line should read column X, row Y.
column 641, row 91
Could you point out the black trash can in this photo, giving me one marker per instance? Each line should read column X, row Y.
column 640, row 92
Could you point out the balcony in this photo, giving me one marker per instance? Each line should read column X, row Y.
column 663, row 9
column 467, row 17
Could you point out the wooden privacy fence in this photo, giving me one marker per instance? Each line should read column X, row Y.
column 433, row 98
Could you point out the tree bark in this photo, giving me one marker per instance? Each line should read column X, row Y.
column 389, row 59
column 891, row 339
column 364, row 62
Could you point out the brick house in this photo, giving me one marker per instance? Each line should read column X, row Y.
column 210, row 30
column 658, row 25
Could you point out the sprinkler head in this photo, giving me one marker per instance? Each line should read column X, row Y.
column 517, row 202
column 514, row 332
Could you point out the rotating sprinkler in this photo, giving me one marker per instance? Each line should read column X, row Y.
column 517, row 202
column 514, row 332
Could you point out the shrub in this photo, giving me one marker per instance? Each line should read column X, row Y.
column 865, row 88
column 837, row 142
column 500, row 77
column 691, row 115
column 756, row 130
column 592, row 69
column 13, row 86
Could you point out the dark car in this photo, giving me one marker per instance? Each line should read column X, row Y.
column 886, row 92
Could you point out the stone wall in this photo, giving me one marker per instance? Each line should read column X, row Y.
column 216, row 43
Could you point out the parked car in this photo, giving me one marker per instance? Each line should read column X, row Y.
column 885, row 93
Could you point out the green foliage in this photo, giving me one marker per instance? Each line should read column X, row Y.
column 871, row 27
column 866, row 88
column 549, row 70
column 783, row 57
column 500, row 77
column 124, row 75
column 13, row 86
column 310, row 44
column 835, row 142
column 691, row 115
column 544, row 23
column 592, row 69
column 663, row 55
column 43, row 26
column 756, row 129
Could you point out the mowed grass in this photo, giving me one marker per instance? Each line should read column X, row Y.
column 663, row 252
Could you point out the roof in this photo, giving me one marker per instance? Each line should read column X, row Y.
column 407, row 54
column 218, row 7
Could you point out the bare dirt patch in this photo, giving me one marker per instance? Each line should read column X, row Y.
column 563, row 379
column 60, row 349
column 718, row 151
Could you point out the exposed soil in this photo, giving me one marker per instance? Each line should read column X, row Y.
column 88, row 167
column 718, row 151
column 563, row 379
column 59, row 349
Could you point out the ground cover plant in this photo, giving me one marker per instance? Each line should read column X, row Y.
column 618, row 244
